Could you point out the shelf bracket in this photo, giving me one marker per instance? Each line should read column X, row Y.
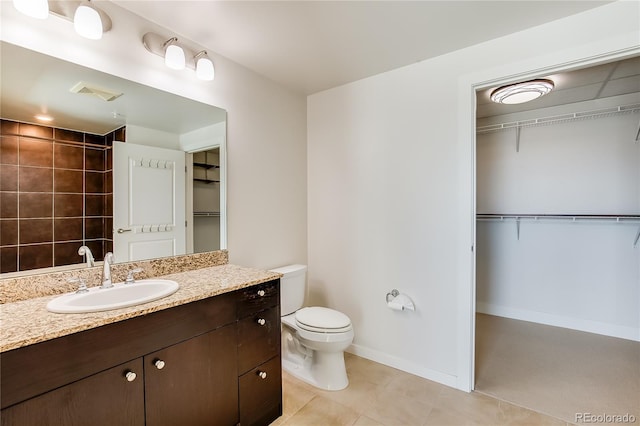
column 638, row 133
column 518, row 138
column 518, row 228
column 635, row 241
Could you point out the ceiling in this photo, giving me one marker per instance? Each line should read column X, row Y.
column 310, row 46
column 587, row 84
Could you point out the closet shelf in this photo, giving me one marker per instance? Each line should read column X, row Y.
column 206, row 214
column 564, row 118
column 571, row 217
column 206, row 166
column 206, row 180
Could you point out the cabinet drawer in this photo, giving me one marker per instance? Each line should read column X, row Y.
column 258, row 297
column 261, row 394
column 258, row 338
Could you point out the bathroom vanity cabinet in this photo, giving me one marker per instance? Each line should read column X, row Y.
column 259, row 363
column 175, row 366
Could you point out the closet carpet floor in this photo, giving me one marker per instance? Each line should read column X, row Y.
column 563, row 373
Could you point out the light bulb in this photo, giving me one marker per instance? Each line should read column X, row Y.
column 87, row 22
column 204, row 68
column 174, row 57
column 38, row 9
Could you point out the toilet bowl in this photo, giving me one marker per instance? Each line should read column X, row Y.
column 313, row 338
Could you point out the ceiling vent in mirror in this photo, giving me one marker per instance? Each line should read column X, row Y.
column 92, row 90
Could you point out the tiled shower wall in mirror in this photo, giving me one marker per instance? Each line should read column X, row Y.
column 55, row 195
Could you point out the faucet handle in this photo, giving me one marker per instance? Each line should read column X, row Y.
column 82, row 287
column 130, row 279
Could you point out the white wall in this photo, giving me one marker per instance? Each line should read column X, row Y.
column 152, row 137
column 581, row 275
column 390, row 177
column 266, row 126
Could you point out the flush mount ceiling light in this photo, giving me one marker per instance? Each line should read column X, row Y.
column 38, row 9
column 518, row 93
column 43, row 117
column 178, row 56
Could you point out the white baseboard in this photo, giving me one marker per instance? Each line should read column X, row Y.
column 606, row 329
column 403, row 364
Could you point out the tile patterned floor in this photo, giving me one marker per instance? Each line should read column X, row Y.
column 381, row 395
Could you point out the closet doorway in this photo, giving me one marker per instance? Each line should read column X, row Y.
column 557, row 250
column 205, row 174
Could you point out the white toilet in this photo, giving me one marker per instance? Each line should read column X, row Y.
column 313, row 338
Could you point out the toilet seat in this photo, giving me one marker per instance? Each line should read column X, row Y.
column 322, row 320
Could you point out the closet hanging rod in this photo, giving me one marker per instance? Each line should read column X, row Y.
column 605, row 112
column 572, row 217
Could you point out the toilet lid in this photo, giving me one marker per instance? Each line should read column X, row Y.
column 322, row 318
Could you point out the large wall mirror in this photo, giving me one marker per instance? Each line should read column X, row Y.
column 119, row 167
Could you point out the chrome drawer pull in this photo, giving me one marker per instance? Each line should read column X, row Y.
column 261, row 293
column 262, row 374
column 159, row 364
column 261, row 321
column 130, row 376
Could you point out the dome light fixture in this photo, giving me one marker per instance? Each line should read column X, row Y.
column 87, row 21
column 519, row 93
column 204, row 66
column 38, row 9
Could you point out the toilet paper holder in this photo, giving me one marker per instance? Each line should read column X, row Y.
column 399, row 301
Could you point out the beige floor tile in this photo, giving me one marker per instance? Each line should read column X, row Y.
column 369, row 371
column 321, row 411
column 411, row 386
column 395, row 409
column 477, row 409
column 295, row 396
column 366, row 421
column 357, row 395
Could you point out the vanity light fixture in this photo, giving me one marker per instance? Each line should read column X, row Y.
column 178, row 56
column 204, row 66
column 38, row 9
column 519, row 93
column 88, row 21
column 174, row 56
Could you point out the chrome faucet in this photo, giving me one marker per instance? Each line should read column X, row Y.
column 86, row 251
column 106, row 271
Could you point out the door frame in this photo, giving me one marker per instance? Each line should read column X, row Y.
column 222, row 149
column 467, row 87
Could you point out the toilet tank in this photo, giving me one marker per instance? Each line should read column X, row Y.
column 293, row 287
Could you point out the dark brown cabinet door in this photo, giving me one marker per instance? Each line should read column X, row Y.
column 261, row 394
column 258, row 339
column 107, row 398
column 194, row 382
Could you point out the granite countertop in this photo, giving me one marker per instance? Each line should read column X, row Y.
column 27, row 322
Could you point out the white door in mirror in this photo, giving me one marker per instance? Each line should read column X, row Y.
column 148, row 202
column 119, row 296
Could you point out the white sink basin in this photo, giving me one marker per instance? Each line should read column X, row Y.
column 119, row 296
